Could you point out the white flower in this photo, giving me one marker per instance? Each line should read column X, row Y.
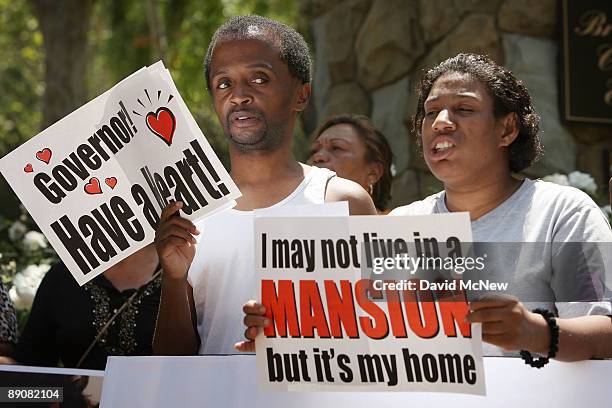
column 16, row 231
column 17, row 301
column 583, row 181
column 557, row 178
column 393, row 170
column 25, row 285
column 34, row 240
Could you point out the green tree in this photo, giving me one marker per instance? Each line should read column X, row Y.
column 21, row 85
column 87, row 46
column 21, row 74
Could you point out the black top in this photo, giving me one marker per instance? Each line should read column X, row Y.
column 65, row 319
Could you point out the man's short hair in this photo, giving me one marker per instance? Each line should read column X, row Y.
column 293, row 49
column 509, row 96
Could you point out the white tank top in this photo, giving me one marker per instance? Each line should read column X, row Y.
column 222, row 274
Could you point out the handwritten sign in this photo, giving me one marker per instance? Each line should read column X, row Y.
column 96, row 181
column 335, row 326
column 587, row 60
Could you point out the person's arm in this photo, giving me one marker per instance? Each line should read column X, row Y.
column 176, row 329
column 506, row 323
column 585, row 337
column 360, row 202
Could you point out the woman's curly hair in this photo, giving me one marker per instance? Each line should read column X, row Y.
column 509, row 96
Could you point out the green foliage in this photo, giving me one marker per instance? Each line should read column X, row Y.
column 187, row 43
column 21, row 84
column 281, row 10
column 21, row 74
column 119, row 43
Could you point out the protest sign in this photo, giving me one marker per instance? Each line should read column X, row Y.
column 336, row 327
column 96, row 181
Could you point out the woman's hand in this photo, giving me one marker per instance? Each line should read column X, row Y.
column 506, row 323
column 254, row 319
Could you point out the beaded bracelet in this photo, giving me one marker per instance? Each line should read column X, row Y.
column 554, row 341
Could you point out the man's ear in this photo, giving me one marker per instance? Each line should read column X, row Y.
column 303, row 96
column 510, row 129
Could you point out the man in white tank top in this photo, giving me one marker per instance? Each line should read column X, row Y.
column 258, row 74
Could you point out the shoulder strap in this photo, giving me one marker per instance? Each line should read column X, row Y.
column 315, row 190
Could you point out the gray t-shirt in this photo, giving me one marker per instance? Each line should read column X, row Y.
column 552, row 243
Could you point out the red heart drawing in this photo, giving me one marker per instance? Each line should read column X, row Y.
column 111, row 182
column 28, row 168
column 93, row 187
column 162, row 123
column 44, row 155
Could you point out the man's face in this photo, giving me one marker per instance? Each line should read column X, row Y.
column 461, row 138
column 255, row 96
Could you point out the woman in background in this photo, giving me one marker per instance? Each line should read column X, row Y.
column 113, row 314
column 351, row 146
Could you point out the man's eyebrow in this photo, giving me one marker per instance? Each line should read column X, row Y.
column 218, row 72
column 260, row 65
column 265, row 65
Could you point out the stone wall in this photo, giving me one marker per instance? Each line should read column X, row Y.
column 368, row 55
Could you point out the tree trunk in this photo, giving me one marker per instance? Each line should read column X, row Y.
column 64, row 25
column 158, row 33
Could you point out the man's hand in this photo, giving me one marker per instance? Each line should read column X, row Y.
column 254, row 319
column 506, row 323
column 174, row 241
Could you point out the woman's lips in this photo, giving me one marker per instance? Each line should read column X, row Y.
column 442, row 150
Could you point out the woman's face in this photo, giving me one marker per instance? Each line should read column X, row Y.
column 339, row 148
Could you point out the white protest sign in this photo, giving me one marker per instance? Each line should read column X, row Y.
column 96, row 181
column 336, row 328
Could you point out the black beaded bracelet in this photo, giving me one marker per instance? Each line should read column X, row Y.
column 554, row 341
